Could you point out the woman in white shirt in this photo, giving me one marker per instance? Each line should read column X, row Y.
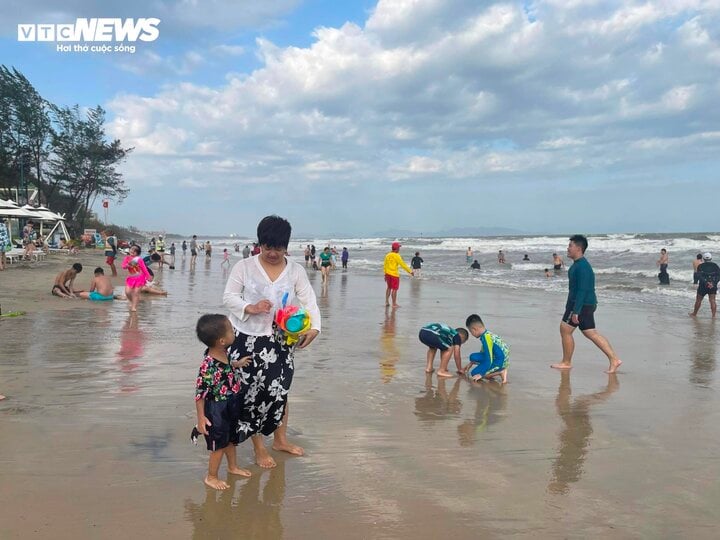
column 253, row 293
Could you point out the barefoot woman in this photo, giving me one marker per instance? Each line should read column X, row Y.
column 253, row 293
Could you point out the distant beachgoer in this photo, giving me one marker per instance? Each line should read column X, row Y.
column 138, row 276
column 253, row 292
column 237, row 247
column 226, row 257
column 160, row 248
column 193, row 249
column 662, row 262
column 5, row 244
column 184, row 247
column 333, row 256
column 307, row 255
column 64, row 282
column 697, row 262
column 580, row 307
column 172, row 256
column 475, row 265
column 111, row 251
column 439, row 336
column 708, row 278
column 256, row 249
column 558, row 262
column 151, row 244
column 101, row 288
column 492, row 359
column 218, row 401
column 246, row 251
column 547, row 273
column 208, row 249
column 526, row 257
column 501, row 257
column 393, row 260
column 313, row 251
column 345, row 257
column 469, row 255
column 416, row 263
column 325, row 263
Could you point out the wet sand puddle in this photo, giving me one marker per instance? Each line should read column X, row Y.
column 101, row 412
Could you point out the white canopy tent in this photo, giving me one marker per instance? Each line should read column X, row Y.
column 43, row 215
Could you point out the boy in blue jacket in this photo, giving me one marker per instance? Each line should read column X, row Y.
column 492, row 359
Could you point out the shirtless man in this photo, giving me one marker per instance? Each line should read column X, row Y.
column 101, row 288
column 663, row 264
column 63, row 286
column 558, row 263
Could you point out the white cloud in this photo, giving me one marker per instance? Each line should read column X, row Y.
column 435, row 90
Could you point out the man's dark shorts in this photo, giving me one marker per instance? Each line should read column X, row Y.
column 703, row 290
column 586, row 317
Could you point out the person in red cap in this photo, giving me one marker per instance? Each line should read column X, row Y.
column 393, row 260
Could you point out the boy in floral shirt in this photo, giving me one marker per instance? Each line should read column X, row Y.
column 217, row 397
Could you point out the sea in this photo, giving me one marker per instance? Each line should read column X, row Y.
column 625, row 264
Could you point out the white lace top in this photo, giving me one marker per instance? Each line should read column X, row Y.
column 249, row 283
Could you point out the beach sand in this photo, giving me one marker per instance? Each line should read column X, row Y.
column 99, row 411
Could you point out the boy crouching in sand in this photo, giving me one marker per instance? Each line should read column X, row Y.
column 448, row 340
column 217, row 398
column 492, row 360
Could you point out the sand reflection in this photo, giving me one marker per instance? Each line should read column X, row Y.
column 490, row 402
column 390, row 354
column 574, row 439
column 702, row 352
column 437, row 403
column 253, row 513
column 132, row 347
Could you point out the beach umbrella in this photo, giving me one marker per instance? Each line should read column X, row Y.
column 8, row 204
column 16, row 213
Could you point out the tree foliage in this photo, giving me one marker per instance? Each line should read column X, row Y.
column 62, row 151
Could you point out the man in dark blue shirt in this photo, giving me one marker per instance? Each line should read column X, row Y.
column 580, row 307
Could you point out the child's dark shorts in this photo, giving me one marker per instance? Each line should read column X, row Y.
column 223, row 416
column 431, row 340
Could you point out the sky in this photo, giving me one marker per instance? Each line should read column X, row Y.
column 548, row 116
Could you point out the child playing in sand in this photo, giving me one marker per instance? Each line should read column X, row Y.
column 448, row 340
column 217, row 398
column 492, row 359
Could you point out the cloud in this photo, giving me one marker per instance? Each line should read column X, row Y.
column 437, row 90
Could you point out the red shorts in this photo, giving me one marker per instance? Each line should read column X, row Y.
column 393, row 282
column 110, row 259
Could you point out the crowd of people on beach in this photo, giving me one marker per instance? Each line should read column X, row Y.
column 246, row 372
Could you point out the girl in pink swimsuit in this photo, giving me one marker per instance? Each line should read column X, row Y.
column 137, row 278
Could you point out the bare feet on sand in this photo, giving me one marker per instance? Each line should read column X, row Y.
column 238, row 471
column 2, row 397
column 561, row 365
column 614, row 366
column 429, row 370
column 264, row 459
column 395, row 306
column 444, row 374
column 292, row 449
column 216, row 483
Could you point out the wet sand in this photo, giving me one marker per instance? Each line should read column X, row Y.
column 99, row 410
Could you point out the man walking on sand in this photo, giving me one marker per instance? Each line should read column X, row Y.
column 580, row 307
column 393, row 260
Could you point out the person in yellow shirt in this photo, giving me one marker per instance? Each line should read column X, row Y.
column 393, row 260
